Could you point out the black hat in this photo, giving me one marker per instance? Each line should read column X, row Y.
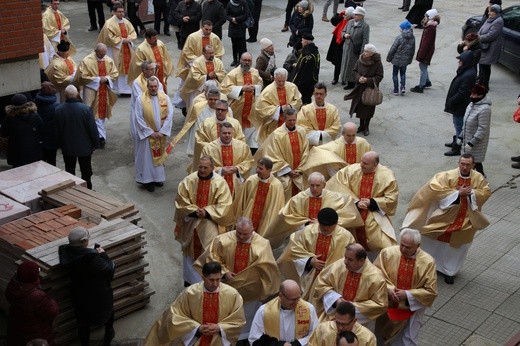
column 63, row 46
column 19, row 100
column 327, row 217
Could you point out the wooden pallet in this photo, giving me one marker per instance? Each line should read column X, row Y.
column 94, row 205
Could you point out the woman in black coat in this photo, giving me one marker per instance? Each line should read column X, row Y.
column 46, row 101
column 416, row 14
column 335, row 52
column 237, row 12
column 301, row 23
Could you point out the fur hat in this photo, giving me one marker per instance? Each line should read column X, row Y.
column 78, row 235
column 265, row 43
column 405, row 25
column 370, row 48
column 303, row 4
column 28, row 272
column 360, row 10
column 327, row 217
column 19, row 100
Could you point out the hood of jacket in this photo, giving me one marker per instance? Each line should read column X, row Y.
column 486, row 101
column 407, row 34
column 376, row 57
column 25, row 109
column 17, row 290
column 44, row 100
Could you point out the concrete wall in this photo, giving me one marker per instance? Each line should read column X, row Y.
column 19, row 76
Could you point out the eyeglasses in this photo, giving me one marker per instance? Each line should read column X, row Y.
column 291, row 299
column 220, row 109
column 344, row 324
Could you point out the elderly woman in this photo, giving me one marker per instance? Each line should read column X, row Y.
column 356, row 34
column 301, row 23
column 476, row 126
column 368, row 73
column 237, row 12
column 336, row 44
column 471, row 43
column 490, row 35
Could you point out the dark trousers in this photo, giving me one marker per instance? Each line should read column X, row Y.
column 337, row 71
column 238, row 46
column 253, row 32
column 479, row 168
column 94, row 7
column 134, row 18
column 49, row 156
column 484, row 74
column 161, row 11
column 85, row 166
column 84, row 330
column 289, row 10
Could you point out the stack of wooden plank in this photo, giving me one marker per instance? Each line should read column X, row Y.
column 30, row 232
column 94, row 205
column 124, row 243
column 23, row 183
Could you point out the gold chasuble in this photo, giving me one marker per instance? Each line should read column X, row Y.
column 366, row 289
column 257, row 276
column 310, row 242
column 157, row 145
column 302, row 315
column 267, row 107
column 326, row 332
column 198, row 74
column 195, row 306
column 454, row 223
column 192, row 49
column 257, row 200
column 381, row 186
column 112, row 34
column 196, row 234
column 52, row 23
column 158, row 54
column 314, row 118
column 416, row 275
column 60, row 72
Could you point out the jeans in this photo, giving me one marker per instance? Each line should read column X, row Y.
column 458, row 122
column 85, row 166
column 424, row 74
column 334, row 7
column 399, row 70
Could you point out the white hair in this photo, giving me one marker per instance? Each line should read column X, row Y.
column 413, row 234
column 71, row 92
column 281, row 72
column 317, row 176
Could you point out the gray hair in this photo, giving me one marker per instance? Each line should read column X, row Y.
column 413, row 234
column 146, row 63
column 281, row 72
column 318, row 176
column 71, row 92
column 213, row 92
column 153, row 79
column 210, row 84
column 244, row 221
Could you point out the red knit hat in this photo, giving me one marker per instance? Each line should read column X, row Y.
column 28, row 272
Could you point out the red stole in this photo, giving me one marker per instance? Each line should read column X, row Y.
column 314, row 207
column 282, row 100
column 160, row 71
column 125, row 47
column 350, row 153
column 248, row 100
column 365, row 191
column 203, row 187
column 58, row 23
column 210, row 67
column 227, row 160
column 70, row 66
column 219, row 126
column 351, row 286
column 321, row 117
column 102, row 91
column 404, row 282
column 295, row 148
column 205, row 41
column 322, row 247
column 258, row 207
column 210, row 307
column 456, row 225
column 241, row 257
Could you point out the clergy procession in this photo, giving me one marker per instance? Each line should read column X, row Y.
column 285, row 213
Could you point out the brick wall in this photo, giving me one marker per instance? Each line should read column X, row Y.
column 21, row 34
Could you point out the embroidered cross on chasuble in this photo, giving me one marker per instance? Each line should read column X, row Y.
column 202, row 201
column 102, row 91
column 209, row 314
column 350, row 153
column 248, row 101
column 160, row 71
column 210, row 67
column 365, row 191
column 296, row 154
column 456, row 225
column 241, row 259
column 227, row 160
column 321, row 117
column 125, row 47
column 314, row 207
column 351, row 286
column 282, row 100
column 404, row 282
column 322, row 247
column 205, row 42
column 258, row 208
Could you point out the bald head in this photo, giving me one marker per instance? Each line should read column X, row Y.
column 101, row 50
column 71, row 92
column 349, row 132
column 246, row 61
column 369, row 161
column 290, row 294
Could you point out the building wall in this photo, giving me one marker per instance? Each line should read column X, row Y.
column 21, row 39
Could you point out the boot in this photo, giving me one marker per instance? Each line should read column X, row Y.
column 450, row 144
column 455, row 150
column 366, row 132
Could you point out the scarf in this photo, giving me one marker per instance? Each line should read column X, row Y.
column 337, row 32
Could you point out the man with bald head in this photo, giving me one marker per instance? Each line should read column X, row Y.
column 287, row 319
column 242, row 86
column 97, row 73
column 77, row 134
column 355, row 279
column 374, row 190
column 302, row 209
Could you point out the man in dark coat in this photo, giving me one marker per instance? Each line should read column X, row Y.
column 31, row 310
column 458, row 98
column 265, row 62
column 161, row 9
column 187, row 15
column 46, row 101
column 78, row 136
column 22, row 127
column 253, row 32
column 307, row 69
column 91, row 272
column 214, row 11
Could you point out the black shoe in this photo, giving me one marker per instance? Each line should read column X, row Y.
column 234, row 63
column 167, row 34
column 516, row 165
column 102, row 142
column 515, row 158
column 360, row 129
column 450, row 280
column 400, row 8
column 334, row 82
column 109, row 336
column 158, row 184
column 428, row 84
column 150, row 187
column 417, row 89
column 92, row 28
column 418, row 26
column 455, row 151
column 406, row 9
column 251, row 40
column 350, row 85
column 366, row 132
column 184, row 111
column 450, row 144
column 343, row 83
